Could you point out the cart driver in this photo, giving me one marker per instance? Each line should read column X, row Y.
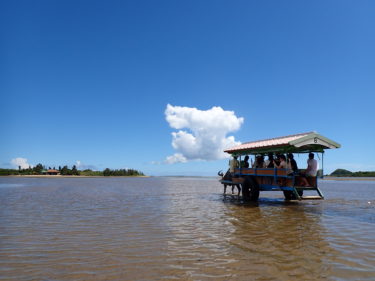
column 233, row 164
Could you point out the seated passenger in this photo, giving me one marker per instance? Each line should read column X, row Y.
column 311, row 170
column 253, row 163
column 269, row 163
column 283, row 164
column 312, row 166
column 292, row 163
column 245, row 162
column 277, row 159
column 259, row 162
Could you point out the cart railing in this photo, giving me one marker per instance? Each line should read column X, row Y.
column 289, row 179
column 261, row 172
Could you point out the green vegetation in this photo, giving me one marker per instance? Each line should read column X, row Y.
column 11, row 172
column 346, row 173
column 91, row 173
column 113, row 173
column 66, row 171
column 363, row 174
column 8, row 172
column 122, row 172
column 341, row 173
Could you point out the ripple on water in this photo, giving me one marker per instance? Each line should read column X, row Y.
column 179, row 229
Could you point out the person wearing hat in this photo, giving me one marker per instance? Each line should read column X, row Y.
column 233, row 164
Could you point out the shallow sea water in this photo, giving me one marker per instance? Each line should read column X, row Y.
column 181, row 229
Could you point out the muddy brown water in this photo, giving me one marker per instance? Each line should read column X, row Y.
column 181, row 229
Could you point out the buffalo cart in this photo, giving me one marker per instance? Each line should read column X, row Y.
column 254, row 180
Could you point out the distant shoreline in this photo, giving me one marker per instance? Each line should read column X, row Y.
column 70, row 176
column 76, row 177
column 349, row 178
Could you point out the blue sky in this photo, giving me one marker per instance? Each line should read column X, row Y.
column 90, row 81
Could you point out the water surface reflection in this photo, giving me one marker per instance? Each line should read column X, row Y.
column 178, row 229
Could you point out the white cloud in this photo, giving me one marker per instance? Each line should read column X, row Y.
column 19, row 161
column 205, row 135
column 176, row 158
column 81, row 166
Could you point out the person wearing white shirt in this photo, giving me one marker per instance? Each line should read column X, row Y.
column 311, row 170
column 312, row 166
column 284, row 165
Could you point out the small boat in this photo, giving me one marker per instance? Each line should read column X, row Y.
column 252, row 180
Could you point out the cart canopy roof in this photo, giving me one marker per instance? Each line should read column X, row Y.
column 299, row 143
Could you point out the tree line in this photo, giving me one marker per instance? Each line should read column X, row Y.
column 112, row 173
column 40, row 169
column 122, row 172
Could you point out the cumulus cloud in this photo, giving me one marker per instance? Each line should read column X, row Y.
column 202, row 134
column 19, row 161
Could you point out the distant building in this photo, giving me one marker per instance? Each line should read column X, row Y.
column 52, row 172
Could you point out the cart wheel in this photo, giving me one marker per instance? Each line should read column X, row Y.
column 250, row 189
